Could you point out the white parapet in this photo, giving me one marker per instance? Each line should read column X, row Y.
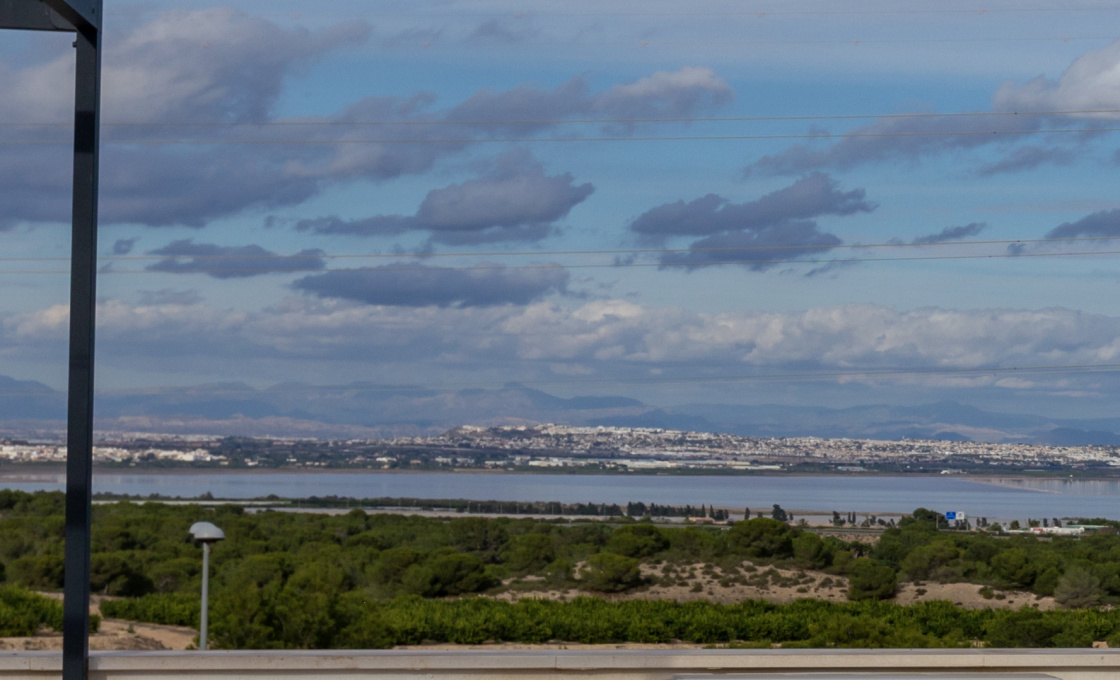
column 604, row 664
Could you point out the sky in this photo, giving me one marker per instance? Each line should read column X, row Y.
column 797, row 202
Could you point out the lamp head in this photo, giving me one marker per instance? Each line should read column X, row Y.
column 205, row 532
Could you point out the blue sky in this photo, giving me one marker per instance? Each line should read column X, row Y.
column 488, row 146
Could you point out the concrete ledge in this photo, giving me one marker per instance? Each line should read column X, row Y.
column 1067, row 664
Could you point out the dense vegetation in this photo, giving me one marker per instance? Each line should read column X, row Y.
column 23, row 613
column 301, row 580
column 354, row 621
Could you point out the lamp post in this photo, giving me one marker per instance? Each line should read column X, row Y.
column 205, row 533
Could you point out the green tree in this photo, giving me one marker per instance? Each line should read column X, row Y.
column 1013, row 567
column 1023, row 628
column 484, row 537
column 452, row 574
column 1046, row 582
column 870, row 580
column 639, row 540
column 762, row 537
column 610, row 573
column 925, row 561
column 392, row 564
column 1078, row 588
column 40, row 571
column 530, row 552
column 810, row 552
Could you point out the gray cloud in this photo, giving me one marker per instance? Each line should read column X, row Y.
column 169, row 296
column 223, row 66
column 123, row 246
column 384, row 225
column 215, row 64
column 686, row 92
column 514, row 201
column 412, row 285
column 502, row 33
column 759, row 249
column 760, row 233
column 1103, row 223
column 891, row 139
column 952, row 233
column 227, row 262
column 1027, row 158
column 1091, row 83
column 811, row 196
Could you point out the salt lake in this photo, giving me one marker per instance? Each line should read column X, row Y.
column 1009, row 498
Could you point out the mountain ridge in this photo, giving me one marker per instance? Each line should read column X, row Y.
column 369, row 410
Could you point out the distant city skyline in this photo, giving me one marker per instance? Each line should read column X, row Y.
column 679, row 203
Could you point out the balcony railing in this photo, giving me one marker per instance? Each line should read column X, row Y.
column 661, row 664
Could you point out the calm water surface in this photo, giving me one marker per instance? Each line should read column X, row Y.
column 1009, row 499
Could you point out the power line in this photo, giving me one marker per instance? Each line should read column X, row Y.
column 539, row 253
column 605, row 265
column 535, row 140
column 759, row 14
column 557, row 121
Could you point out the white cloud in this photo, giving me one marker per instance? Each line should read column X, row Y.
column 612, row 338
column 1091, row 83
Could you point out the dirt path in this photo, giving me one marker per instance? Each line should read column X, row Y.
column 114, row 634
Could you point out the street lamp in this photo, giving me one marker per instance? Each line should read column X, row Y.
column 205, row 533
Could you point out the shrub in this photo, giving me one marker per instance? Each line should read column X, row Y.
column 639, row 540
column 170, row 609
column 610, row 573
column 762, row 537
column 530, row 553
column 22, row 613
column 1078, row 588
column 452, row 574
column 40, row 571
column 870, row 580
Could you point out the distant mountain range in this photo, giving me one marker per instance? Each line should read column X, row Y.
column 364, row 410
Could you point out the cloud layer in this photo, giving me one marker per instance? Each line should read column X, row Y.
column 515, row 201
column 187, row 74
column 416, row 285
column 602, row 338
column 952, row 233
column 229, row 262
column 1102, row 223
column 1087, row 93
column 774, row 228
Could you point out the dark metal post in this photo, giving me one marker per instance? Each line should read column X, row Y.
column 83, row 297
column 83, row 17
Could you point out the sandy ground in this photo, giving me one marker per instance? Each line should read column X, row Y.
column 748, row 581
column 968, row 595
column 113, row 635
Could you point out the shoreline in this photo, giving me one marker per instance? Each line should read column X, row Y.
column 17, row 471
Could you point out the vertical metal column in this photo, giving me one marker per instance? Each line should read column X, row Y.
column 204, row 614
column 83, row 17
column 83, row 297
